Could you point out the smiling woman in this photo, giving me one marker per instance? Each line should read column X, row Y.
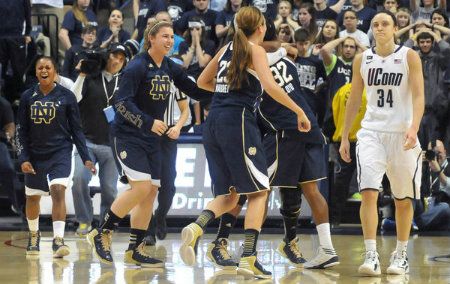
column 49, row 114
column 141, row 101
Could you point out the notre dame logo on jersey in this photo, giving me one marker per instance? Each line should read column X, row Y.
column 42, row 112
column 160, row 87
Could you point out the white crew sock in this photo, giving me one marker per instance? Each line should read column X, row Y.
column 370, row 245
column 323, row 231
column 33, row 225
column 58, row 229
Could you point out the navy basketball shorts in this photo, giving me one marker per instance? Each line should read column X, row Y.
column 54, row 169
column 140, row 160
column 291, row 161
column 234, row 151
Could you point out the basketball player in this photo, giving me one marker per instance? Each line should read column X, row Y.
column 296, row 162
column 137, row 129
column 231, row 138
column 49, row 125
column 387, row 142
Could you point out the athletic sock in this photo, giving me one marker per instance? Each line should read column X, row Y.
column 110, row 221
column 323, row 231
column 401, row 247
column 58, row 229
column 136, row 237
column 251, row 238
column 371, row 245
column 227, row 222
column 205, row 218
column 33, row 225
column 290, row 226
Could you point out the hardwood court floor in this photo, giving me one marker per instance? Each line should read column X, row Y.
column 81, row 267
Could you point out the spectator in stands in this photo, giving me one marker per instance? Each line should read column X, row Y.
column 307, row 20
column 196, row 53
column 364, row 14
column 285, row 34
column 325, row 12
column 202, row 12
column 267, row 7
column 440, row 24
column 74, row 21
column 77, row 52
column 14, row 39
column 225, row 18
column 114, row 33
column 424, row 13
column 285, row 15
column 95, row 96
column 351, row 30
column 144, row 9
column 339, row 72
column 54, row 7
column 329, row 32
column 390, row 5
column 176, row 8
column 218, row 5
column 405, row 24
column 7, row 171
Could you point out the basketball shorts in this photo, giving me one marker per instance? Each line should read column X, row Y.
column 291, row 161
column 378, row 153
column 56, row 169
column 140, row 161
column 234, row 151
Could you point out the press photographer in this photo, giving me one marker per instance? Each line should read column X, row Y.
column 95, row 88
column 434, row 213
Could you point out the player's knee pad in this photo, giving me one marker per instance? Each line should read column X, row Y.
column 291, row 201
column 242, row 200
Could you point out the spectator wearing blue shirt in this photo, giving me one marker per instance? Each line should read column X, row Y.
column 225, row 18
column 267, row 7
column 74, row 20
column 114, row 32
column 142, row 11
column 201, row 11
column 326, row 12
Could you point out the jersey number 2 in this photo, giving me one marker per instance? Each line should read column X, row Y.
column 381, row 100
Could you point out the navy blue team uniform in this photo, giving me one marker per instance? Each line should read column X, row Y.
column 142, row 96
column 293, row 157
column 231, row 137
column 48, row 127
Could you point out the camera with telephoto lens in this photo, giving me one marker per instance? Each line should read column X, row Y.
column 94, row 61
column 430, row 155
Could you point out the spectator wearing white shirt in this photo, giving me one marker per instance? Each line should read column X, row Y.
column 350, row 23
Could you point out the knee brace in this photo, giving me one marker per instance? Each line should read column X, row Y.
column 291, row 201
column 242, row 200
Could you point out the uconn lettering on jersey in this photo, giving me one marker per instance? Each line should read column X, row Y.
column 377, row 77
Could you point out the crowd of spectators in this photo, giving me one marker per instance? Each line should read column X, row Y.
column 331, row 33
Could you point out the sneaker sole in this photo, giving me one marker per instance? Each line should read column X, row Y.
column 187, row 252
column 394, row 271
column 329, row 263
column 297, row 265
column 366, row 271
column 247, row 273
column 61, row 252
column 92, row 243
column 152, row 265
column 32, row 252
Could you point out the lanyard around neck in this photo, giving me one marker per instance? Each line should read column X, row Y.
column 108, row 98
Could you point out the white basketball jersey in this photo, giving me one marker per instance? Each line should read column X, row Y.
column 389, row 97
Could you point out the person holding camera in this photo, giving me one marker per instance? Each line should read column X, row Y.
column 435, row 212
column 77, row 52
column 95, row 95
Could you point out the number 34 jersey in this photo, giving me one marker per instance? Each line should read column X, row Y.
column 389, row 96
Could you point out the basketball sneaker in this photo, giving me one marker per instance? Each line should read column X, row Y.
column 291, row 252
column 371, row 265
column 250, row 266
column 190, row 235
column 100, row 240
column 59, row 248
column 218, row 254
column 83, row 229
column 324, row 258
column 138, row 256
column 34, row 238
column 399, row 264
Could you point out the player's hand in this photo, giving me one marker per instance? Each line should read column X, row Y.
column 173, row 132
column 27, row 39
column 304, row 125
column 159, row 127
column 27, row 168
column 410, row 139
column 344, row 150
column 91, row 166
